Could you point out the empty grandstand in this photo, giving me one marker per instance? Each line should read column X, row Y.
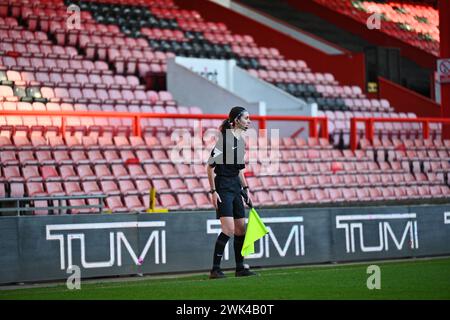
column 108, row 65
column 87, row 115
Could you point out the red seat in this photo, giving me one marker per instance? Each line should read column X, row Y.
column 169, row 201
column 31, row 173
column 109, row 188
column 26, row 157
column 325, row 181
column 292, row 196
column 49, row 173
column 103, row 172
column 160, row 185
column 269, row 183
column 363, row 194
column 321, row 195
column 115, row 204
column 202, row 201
column 183, row 169
column 349, row 194
column 445, row 191
column 91, row 187
column 311, row 181
column 85, row 172
column 177, row 185
column 54, row 189
column 6, row 91
column 307, row 196
column 62, row 157
column 152, row 170
column 120, row 172
column 185, row 201
column 375, row 194
column 279, row 198
column 96, row 157
column 167, row 168
column 336, row 194
column 143, row 186
column 297, row 181
column 80, row 202
column 263, row 198
column 35, row 189
column 193, row 185
column 73, row 188
column 400, row 193
column 136, row 171
column 133, row 203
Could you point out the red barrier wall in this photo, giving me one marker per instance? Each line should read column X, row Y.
column 378, row 37
column 290, row 48
column 444, row 22
column 405, row 100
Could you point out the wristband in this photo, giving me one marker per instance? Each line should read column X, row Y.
column 212, row 191
column 246, row 187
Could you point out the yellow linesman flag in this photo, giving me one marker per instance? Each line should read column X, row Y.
column 255, row 230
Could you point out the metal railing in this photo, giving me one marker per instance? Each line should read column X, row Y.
column 26, row 204
column 369, row 127
column 313, row 122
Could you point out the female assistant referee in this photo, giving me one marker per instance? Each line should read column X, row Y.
column 228, row 187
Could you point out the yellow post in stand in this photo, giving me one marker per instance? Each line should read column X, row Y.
column 153, row 208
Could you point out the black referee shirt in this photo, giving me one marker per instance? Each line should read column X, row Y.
column 227, row 157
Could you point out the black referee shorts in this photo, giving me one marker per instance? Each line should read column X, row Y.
column 229, row 190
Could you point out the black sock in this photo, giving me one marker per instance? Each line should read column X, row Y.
column 221, row 242
column 238, row 243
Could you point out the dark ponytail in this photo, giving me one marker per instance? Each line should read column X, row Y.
column 226, row 124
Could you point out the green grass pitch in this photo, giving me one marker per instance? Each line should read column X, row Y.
column 404, row 279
